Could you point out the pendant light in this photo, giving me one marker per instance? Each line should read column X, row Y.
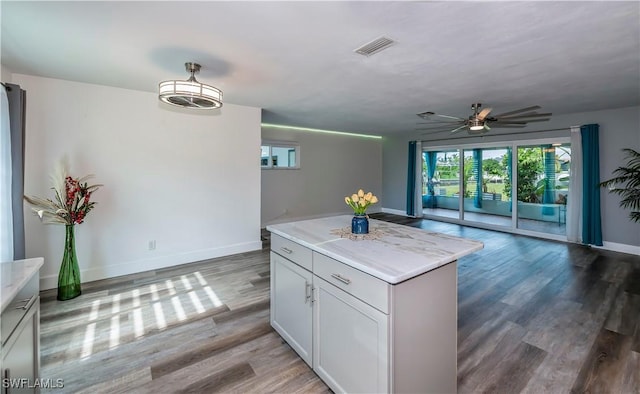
column 190, row 93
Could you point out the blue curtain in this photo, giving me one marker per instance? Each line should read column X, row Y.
column 591, row 220
column 548, row 197
column 430, row 159
column 477, row 172
column 411, row 179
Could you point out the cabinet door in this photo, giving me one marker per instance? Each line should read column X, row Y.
column 350, row 350
column 291, row 309
column 21, row 358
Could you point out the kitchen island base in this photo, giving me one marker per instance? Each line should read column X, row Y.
column 369, row 315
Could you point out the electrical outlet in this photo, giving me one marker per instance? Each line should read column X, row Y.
column 152, row 244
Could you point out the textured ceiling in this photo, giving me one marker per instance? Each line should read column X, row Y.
column 296, row 61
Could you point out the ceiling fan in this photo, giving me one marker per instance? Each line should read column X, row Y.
column 481, row 122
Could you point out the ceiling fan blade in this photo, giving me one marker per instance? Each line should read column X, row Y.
column 527, row 115
column 528, row 109
column 443, row 124
column 508, row 126
column 427, row 115
column 519, row 121
column 459, row 128
column 438, row 122
column 435, row 132
column 483, row 114
column 486, row 126
column 508, row 122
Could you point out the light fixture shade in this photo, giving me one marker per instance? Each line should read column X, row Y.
column 476, row 125
column 190, row 93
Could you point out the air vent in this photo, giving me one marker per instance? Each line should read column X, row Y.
column 375, row 46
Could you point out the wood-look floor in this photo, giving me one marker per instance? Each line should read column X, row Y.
column 534, row 316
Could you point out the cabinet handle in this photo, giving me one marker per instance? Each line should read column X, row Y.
column 313, row 289
column 307, row 291
column 286, row 250
column 341, row 278
column 28, row 303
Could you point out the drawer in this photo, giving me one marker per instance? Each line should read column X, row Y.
column 18, row 308
column 292, row 251
column 369, row 289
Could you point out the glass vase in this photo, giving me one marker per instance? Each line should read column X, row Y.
column 360, row 224
column 69, row 276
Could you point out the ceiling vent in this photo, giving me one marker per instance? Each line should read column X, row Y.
column 375, row 46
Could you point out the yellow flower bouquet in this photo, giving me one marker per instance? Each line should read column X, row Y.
column 360, row 201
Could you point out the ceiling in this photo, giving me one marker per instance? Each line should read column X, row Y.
column 296, row 60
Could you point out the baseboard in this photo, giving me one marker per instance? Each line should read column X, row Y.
column 394, row 211
column 622, row 248
column 134, row 267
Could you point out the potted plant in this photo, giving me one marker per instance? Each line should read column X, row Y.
column 629, row 179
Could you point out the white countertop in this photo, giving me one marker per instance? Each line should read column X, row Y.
column 14, row 275
column 400, row 253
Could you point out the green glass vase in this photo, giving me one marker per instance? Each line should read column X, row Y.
column 69, row 276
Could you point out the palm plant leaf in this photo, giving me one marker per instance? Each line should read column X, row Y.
column 628, row 178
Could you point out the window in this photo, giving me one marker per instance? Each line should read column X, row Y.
column 473, row 183
column 279, row 155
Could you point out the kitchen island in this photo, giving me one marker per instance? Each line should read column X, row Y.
column 374, row 313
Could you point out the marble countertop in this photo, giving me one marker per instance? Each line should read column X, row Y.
column 398, row 253
column 14, row 275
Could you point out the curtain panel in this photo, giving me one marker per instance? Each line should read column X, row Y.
column 6, row 213
column 591, row 219
column 414, row 179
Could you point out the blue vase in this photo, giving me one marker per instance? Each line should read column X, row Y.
column 360, row 224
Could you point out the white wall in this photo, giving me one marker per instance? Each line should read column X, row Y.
column 188, row 180
column 619, row 128
column 331, row 167
column 5, row 74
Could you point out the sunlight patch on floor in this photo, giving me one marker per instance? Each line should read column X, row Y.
column 196, row 302
column 87, row 344
column 170, row 287
column 115, row 304
column 159, row 312
column 186, row 282
column 138, row 324
column 212, row 296
column 177, row 306
column 114, row 334
column 154, row 292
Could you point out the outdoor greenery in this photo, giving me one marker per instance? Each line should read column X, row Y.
column 531, row 178
column 530, row 167
column 629, row 178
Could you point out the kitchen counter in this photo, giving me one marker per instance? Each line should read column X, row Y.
column 14, row 275
column 397, row 253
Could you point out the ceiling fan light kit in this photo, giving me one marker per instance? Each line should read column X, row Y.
column 479, row 122
column 475, row 124
column 190, row 93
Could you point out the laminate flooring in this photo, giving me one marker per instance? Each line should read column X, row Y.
column 534, row 316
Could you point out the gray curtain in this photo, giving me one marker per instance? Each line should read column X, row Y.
column 17, row 100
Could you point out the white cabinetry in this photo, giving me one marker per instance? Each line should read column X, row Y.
column 350, row 342
column 291, row 304
column 20, row 341
column 366, row 335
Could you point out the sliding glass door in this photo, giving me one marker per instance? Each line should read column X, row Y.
column 441, row 183
column 543, row 187
column 474, row 184
column 487, row 189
